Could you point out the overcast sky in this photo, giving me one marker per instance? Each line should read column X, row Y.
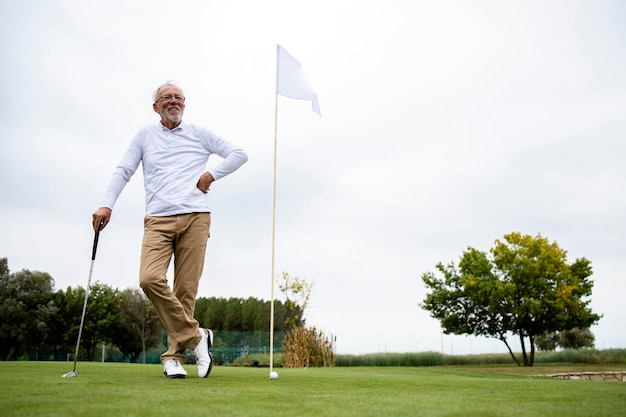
column 446, row 124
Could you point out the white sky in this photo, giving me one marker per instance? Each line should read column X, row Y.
column 446, row 124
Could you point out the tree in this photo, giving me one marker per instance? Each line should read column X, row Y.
column 297, row 292
column 102, row 317
column 139, row 328
column 61, row 337
column 567, row 339
column 243, row 314
column 547, row 341
column 525, row 288
column 576, row 339
column 4, row 267
column 25, row 308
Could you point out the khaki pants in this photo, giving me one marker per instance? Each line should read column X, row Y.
column 184, row 236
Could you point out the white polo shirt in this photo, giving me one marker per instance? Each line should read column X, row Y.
column 173, row 161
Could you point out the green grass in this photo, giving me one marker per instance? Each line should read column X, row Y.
column 114, row 389
column 580, row 356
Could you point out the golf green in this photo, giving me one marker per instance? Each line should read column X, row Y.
column 114, row 389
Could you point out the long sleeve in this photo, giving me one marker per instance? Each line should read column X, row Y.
column 122, row 174
column 173, row 161
column 234, row 158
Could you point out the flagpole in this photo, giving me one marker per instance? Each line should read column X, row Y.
column 274, row 220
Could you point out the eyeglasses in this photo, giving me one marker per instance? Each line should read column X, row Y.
column 169, row 97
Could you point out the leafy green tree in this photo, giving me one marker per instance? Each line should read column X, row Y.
column 243, row 314
column 70, row 304
column 140, row 327
column 297, row 293
column 576, row 338
column 232, row 317
column 547, row 341
column 211, row 312
column 525, row 288
column 251, row 308
column 61, row 338
column 25, row 308
column 102, row 317
column 4, row 267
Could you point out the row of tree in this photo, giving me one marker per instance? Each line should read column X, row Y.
column 36, row 318
column 524, row 287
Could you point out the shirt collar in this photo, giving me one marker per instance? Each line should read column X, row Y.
column 181, row 126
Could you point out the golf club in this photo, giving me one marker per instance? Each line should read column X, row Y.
column 74, row 372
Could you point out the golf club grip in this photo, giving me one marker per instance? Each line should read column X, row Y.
column 95, row 240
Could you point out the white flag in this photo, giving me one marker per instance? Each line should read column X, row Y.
column 290, row 79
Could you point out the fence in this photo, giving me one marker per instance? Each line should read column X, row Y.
column 227, row 347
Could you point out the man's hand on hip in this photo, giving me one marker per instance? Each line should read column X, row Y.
column 204, row 183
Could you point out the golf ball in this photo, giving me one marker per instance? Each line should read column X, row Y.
column 273, row 375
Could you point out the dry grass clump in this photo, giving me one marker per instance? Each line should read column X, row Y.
column 309, row 347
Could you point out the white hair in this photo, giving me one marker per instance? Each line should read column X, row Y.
column 168, row 83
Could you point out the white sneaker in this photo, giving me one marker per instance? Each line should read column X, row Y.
column 173, row 369
column 204, row 358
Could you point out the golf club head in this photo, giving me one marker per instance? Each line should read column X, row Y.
column 70, row 374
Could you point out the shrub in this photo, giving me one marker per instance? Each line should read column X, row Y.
column 592, row 356
column 308, row 347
